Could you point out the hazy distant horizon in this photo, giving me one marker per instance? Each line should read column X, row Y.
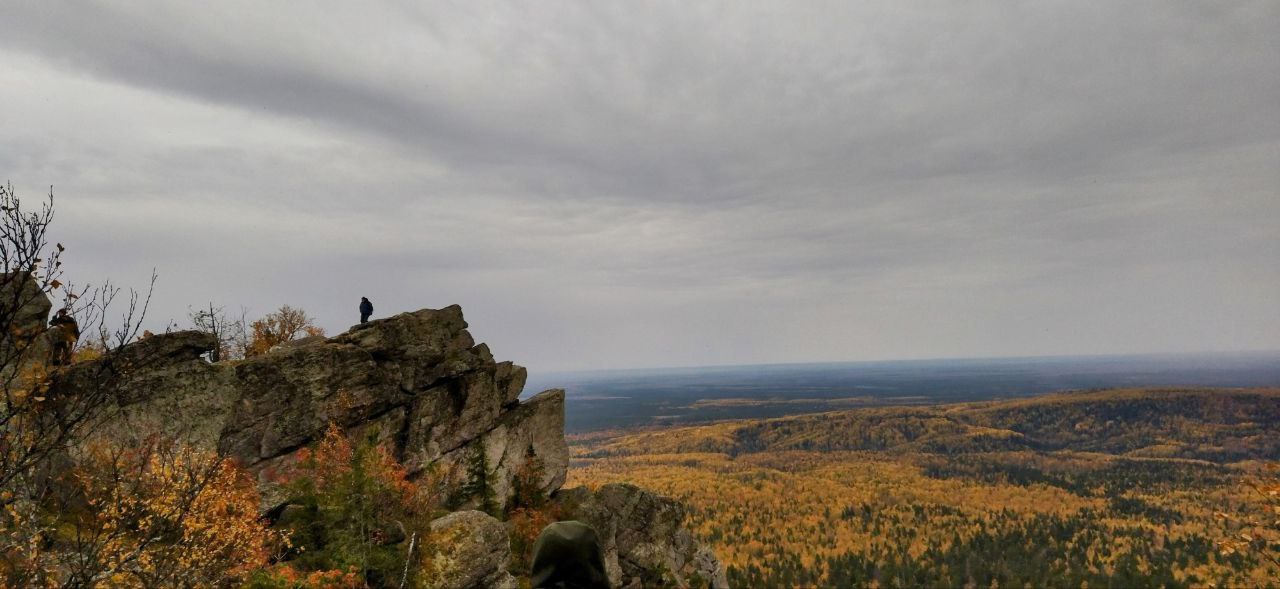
column 704, row 367
column 602, row 399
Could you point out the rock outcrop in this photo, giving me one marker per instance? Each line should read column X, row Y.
column 24, row 316
column 471, row 549
column 23, row 305
column 644, row 539
column 416, row 381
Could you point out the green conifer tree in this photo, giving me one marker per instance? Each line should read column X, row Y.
column 528, row 482
column 477, row 485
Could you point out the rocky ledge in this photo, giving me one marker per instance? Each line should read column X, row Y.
column 418, row 382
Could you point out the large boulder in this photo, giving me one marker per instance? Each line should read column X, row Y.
column 24, row 306
column 643, row 536
column 24, row 311
column 467, row 550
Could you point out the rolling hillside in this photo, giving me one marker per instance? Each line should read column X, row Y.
column 1108, row 488
column 1217, row 425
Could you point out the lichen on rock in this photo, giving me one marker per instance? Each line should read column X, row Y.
column 468, row 549
column 644, row 539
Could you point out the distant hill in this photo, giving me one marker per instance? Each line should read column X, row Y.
column 1220, row 425
column 1108, row 488
column 689, row 396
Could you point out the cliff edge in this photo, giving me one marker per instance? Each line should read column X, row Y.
column 419, row 383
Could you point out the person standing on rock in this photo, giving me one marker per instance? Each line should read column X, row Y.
column 366, row 309
column 66, row 332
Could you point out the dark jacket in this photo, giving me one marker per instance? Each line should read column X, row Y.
column 67, row 323
column 567, row 555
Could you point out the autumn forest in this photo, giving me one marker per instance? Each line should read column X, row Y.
column 1098, row 489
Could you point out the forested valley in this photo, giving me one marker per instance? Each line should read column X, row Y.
column 1101, row 489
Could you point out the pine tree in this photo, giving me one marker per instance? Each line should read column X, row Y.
column 528, row 482
column 477, row 485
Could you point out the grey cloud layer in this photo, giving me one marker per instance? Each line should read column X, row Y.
column 663, row 183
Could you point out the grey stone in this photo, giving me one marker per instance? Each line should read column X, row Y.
column 470, row 550
column 643, row 537
column 26, row 306
column 298, row 343
column 24, row 312
column 511, row 380
column 538, row 422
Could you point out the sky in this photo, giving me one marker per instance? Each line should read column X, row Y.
column 641, row 184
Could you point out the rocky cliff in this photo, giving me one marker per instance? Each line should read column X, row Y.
column 644, row 539
column 418, row 382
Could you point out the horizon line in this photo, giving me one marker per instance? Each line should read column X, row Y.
column 1203, row 353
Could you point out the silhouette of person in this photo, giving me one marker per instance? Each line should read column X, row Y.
column 567, row 555
column 66, row 334
column 366, row 309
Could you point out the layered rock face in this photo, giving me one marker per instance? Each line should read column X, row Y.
column 644, row 539
column 418, row 382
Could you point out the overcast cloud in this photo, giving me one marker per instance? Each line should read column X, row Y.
column 632, row 184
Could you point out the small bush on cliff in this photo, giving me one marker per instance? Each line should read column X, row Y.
column 525, row 526
column 284, row 325
column 353, row 509
column 529, row 512
column 230, row 333
column 527, row 482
